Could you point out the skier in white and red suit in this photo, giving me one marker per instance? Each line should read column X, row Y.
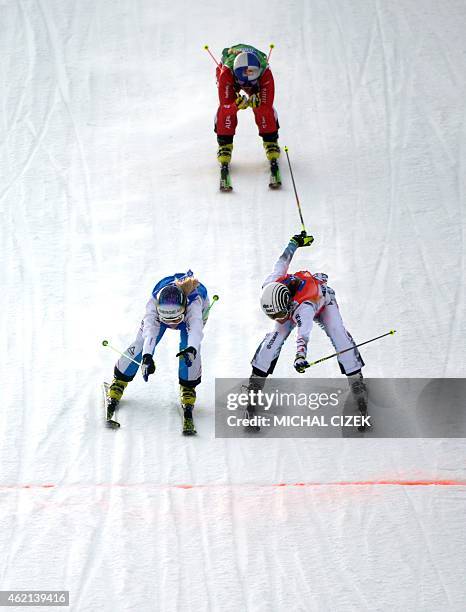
column 245, row 68
column 297, row 300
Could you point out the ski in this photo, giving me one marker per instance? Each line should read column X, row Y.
column 188, row 422
column 275, row 181
column 225, row 179
column 111, row 407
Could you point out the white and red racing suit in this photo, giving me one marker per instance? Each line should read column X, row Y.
column 312, row 299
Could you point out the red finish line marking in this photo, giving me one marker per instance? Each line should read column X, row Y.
column 343, row 483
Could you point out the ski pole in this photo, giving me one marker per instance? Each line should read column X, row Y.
column 106, row 343
column 390, row 333
column 295, row 192
column 206, row 47
column 270, row 52
column 205, row 314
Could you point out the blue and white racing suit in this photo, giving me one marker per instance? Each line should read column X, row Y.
column 152, row 330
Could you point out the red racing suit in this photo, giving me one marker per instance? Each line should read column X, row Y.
column 228, row 89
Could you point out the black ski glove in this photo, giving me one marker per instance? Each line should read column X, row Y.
column 302, row 239
column 300, row 363
column 188, row 354
column 148, row 366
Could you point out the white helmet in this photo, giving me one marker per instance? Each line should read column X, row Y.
column 275, row 300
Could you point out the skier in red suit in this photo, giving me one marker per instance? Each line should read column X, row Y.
column 245, row 68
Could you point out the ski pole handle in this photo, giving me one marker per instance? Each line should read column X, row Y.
column 206, row 47
column 390, row 333
column 106, row 343
column 272, row 46
column 295, row 191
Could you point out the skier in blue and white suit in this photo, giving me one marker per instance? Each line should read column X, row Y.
column 178, row 302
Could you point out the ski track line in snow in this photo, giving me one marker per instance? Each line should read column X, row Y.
column 430, row 552
column 25, row 91
column 280, row 485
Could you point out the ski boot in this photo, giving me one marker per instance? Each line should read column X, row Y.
column 188, row 398
column 256, row 383
column 114, row 393
column 224, row 158
column 249, row 413
column 359, row 390
column 272, row 151
column 116, row 389
column 224, row 153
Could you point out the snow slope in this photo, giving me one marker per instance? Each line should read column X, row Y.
column 109, row 183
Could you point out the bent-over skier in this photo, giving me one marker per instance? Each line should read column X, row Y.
column 245, row 68
column 296, row 301
column 179, row 302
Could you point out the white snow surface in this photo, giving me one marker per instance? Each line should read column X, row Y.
column 110, row 182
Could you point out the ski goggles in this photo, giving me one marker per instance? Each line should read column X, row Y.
column 172, row 322
column 283, row 314
column 247, row 76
